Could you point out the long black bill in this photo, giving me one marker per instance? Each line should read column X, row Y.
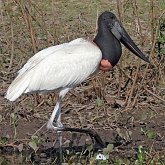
column 120, row 33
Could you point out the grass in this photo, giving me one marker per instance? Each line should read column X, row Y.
column 29, row 26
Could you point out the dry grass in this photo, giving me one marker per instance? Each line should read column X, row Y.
column 29, row 26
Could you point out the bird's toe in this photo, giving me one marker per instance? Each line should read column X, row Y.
column 58, row 127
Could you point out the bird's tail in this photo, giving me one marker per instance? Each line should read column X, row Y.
column 17, row 87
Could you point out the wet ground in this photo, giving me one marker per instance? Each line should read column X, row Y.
column 124, row 106
column 23, row 124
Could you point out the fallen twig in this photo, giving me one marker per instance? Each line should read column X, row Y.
column 155, row 95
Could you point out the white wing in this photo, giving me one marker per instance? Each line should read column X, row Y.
column 66, row 67
column 38, row 57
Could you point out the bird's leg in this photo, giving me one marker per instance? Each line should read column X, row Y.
column 59, row 125
column 56, row 115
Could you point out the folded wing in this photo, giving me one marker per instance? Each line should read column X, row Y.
column 65, row 67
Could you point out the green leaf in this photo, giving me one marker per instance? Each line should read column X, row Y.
column 150, row 134
column 33, row 145
column 3, row 139
column 99, row 102
column 36, row 139
column 110, row 147
column 105, row 151
column 4, row 162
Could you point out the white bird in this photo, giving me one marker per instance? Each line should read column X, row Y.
column 62, row 67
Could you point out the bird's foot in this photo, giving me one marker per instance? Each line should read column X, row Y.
column 50, row 126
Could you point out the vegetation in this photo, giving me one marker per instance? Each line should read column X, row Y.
column 126, row 106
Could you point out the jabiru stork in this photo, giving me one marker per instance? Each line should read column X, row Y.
column 63, row 67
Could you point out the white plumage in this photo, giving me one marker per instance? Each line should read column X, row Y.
column 57, row 67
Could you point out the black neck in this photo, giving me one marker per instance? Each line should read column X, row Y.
column 108, row 44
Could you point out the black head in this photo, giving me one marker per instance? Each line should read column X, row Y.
column 110, row 34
